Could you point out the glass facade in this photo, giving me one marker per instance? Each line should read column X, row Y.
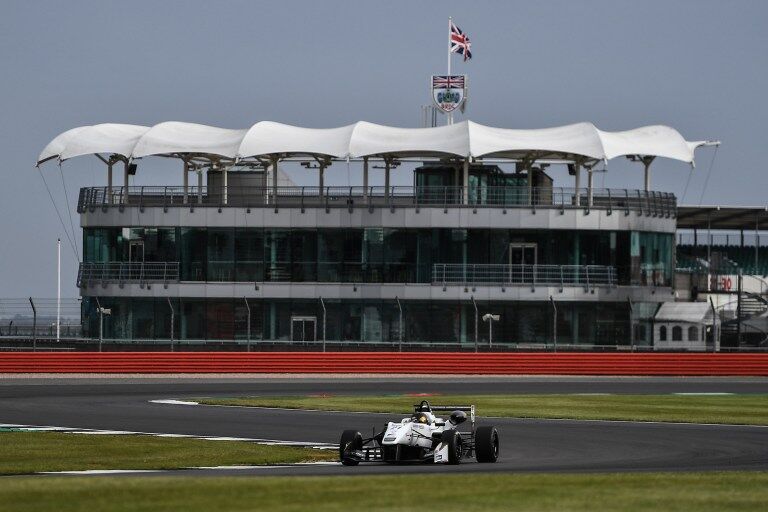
column 375, row 255
column 362, row 321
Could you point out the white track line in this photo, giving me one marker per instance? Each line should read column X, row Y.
column 89, row 431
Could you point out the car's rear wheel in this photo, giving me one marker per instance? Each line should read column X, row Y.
column 453, row 440
column 486, row 444
column 351, row 440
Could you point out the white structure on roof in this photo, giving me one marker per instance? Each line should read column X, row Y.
column 463, row 140
column 684, row 326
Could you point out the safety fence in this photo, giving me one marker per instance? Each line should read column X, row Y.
column 497, row 196
column 523, row 274
column 421, row 363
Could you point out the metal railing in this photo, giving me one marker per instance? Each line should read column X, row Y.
column 517, row 275
column 621, row 200
column 120, row 272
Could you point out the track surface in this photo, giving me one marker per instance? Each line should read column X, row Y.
column 527, row 445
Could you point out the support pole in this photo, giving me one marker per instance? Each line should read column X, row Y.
column 449, row 115
column 34, row 325
column 125, row 181
column 647, row 174
column 109, row 181
column 386, row 176
column 321, row 178
column 465, row 199
column 589, row 188
column 274, row 180
column 322, row 303
column 554, row 322
column 171, row 306
column 631, row 326
column 365, row 177
column 224, row 185
column 577, row 182
column 529, row 176
column 58, row 290
column 199, row 186
column 476, row 320
column 248, row 325
column 101, row 322
column 186, row 181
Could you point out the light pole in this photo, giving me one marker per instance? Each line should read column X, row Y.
column 490, row 319
column 102, row 312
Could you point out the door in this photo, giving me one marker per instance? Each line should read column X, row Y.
column 522, row 257
column 303, row 328
column 136, row 251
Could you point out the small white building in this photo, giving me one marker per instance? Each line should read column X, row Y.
column 684, row 326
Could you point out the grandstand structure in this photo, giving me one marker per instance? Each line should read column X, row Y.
column 231, row 253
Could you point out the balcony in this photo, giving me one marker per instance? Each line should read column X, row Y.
column 91, row 273
column 587, row 276
column 657, row 204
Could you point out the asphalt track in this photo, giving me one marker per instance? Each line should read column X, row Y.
column 527, row 445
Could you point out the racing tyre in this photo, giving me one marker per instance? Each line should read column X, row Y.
column 350, row 440
column 453, row 440
column 486, row 444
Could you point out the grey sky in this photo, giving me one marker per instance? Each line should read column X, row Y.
column 700, row 66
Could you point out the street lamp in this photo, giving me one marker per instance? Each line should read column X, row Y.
column 490, row 319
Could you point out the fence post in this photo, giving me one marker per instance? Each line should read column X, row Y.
column 172, row 314
column 322, row 303
column 34, row 325
column 631, row 326
column 554, row 323
column 248, row 324
column 400, row 324
column 475, row 304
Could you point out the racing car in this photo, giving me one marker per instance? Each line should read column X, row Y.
column 423, row 437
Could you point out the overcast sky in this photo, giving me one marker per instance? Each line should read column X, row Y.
column 700, row 66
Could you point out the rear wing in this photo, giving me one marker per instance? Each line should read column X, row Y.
column 426, row 406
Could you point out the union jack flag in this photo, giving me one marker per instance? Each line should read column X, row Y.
column 460, row 42
column 448, row 82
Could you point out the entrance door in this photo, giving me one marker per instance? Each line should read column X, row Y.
column 522, row 257
column 523, row 254
column 303, row 328
column 136, row 251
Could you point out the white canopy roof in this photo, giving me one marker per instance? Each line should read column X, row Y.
column 465, row 139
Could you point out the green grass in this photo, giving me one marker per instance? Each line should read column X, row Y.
column 30, row 452
column 701, row 492
column 739, row 409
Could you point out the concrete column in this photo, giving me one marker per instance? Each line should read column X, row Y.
column 321, row 178
column 186, row 182
column 577, row 183
column 589, row 188
column 125, row 182
column 465, row 199
column 365, row 176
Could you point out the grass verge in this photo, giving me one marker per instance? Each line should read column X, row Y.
column 739, row 409
column 702, row 492
column 31, row 452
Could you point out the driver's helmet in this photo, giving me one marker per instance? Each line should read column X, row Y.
column 420, row 417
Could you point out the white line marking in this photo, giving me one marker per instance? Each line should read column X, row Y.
column 88, row 431
column 174, row 402
column 703, row 394
column 100, row 472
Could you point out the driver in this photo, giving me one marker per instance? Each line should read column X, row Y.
column 420, row 417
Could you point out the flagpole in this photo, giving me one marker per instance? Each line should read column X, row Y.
column 449, row 115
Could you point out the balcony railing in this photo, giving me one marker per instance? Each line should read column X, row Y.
column 121, row 272
column 622, row 200
column 588, row 276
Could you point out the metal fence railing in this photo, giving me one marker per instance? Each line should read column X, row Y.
column 119, row 272
column 512, row 275
column 35, row 319
column 624, row 200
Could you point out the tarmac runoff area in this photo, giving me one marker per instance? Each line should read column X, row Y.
column 129, row 404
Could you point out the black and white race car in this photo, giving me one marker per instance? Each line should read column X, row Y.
column 423, row 437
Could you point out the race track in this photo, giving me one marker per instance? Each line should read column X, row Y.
column 527, row 445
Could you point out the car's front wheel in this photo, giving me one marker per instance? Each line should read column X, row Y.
column 351, row 440
column 453, row 440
